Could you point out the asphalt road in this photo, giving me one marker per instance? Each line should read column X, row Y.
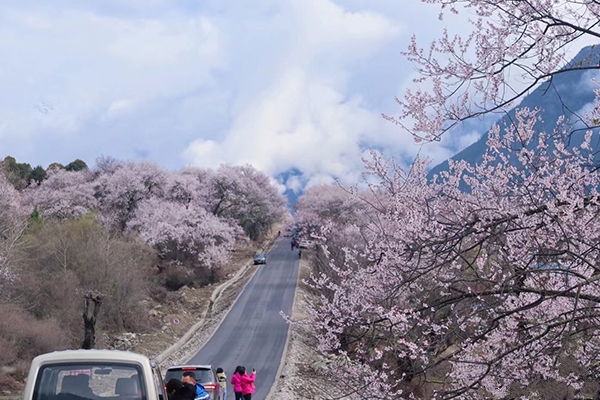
column 253, row 334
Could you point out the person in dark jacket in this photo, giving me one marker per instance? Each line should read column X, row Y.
column 187, row 392
column 180, row 391
column 190, row 378
column 172, row 386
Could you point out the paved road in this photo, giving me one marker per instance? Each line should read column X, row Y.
column 253, row 334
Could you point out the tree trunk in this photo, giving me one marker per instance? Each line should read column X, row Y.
column 92, row 302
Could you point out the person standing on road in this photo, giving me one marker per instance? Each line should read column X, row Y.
column 180, row 391
column 247, row 383
column 172, row 387
column 236, row 381
column 190, row 378
column 222, row 381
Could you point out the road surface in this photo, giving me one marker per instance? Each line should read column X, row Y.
column 253, row 334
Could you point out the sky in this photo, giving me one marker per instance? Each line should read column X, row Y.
column 285, row 85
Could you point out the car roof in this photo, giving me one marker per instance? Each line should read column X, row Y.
column 90, row 355
column 191, row 366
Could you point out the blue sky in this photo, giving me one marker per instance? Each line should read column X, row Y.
column 280, row 84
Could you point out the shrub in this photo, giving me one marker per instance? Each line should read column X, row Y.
column 23, row 337
column 177, row 277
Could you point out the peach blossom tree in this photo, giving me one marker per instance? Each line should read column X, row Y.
column 512, row 47
column 63, row 194
column 481, row 282
column 181, row 232
column 13, row 222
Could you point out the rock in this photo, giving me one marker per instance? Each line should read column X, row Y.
column 6, row 370
column 125, row 341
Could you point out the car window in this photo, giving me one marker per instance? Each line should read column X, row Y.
column 203, row 375
column 91, row 381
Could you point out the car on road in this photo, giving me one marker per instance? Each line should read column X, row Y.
column 205, row 375
column 260, row 258
column 305, row 244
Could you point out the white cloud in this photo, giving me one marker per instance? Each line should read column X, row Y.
column 465, row 140
column 83, row 63
column 301, row 115
column 119, row 107
column 281, row 84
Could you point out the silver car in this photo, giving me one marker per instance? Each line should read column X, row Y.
column 260, row 258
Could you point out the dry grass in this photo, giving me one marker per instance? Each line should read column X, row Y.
column 186, row 304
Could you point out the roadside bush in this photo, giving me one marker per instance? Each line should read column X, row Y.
column 22, row 336
column 67, row 259
column 203, row 277
column 9, row 383
column 177, row 277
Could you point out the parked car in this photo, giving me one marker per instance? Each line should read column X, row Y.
column 260, row 258
column 205, row 375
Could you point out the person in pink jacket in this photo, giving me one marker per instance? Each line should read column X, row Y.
column 247, row 383
column 236, row 381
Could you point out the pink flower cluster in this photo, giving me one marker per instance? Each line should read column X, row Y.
column 512, row 47
column 192, row 214
column 481, row 282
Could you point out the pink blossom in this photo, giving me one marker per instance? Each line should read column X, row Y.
column 512, row 46
column 179, row 231
column 483, row 277
column 63, row 194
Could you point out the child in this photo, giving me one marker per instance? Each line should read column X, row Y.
column 223, row 381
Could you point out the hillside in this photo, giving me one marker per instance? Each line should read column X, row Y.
column 567, row 93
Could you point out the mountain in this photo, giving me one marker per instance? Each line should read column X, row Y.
column 291, row 176
column 566, row 93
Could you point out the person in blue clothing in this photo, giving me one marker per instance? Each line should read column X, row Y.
column 190, row 377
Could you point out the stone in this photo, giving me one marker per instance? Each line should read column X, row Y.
column 6, row 370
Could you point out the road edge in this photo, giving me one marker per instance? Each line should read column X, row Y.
column 287, row 341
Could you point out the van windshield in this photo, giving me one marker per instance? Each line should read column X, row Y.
column 89, row 381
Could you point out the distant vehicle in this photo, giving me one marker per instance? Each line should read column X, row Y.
column 93, row 374
column 305, row 244
column 205, row 376
column 260, row 258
